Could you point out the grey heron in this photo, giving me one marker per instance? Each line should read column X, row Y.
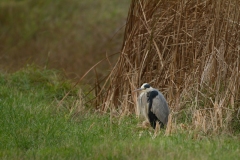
column 153, row 105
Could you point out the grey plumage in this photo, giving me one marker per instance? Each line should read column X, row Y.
column 152, row 105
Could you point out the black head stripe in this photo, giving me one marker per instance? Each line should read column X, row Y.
column 146, row 86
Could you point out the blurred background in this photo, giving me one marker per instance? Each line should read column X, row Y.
column 68, row 35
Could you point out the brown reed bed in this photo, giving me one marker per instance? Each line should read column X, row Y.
column 189, row 50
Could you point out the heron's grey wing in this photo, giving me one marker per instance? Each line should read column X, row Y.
column 160, row 108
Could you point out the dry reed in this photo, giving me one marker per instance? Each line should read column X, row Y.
column 190, row 50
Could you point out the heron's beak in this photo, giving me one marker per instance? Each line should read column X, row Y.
column 139, row 89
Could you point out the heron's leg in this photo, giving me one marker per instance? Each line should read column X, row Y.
column 157, row 122
column 161, row 124
column 157, row 129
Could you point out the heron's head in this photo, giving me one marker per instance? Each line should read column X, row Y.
column 144, row 87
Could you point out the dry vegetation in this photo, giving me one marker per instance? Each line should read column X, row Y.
column 190, row 50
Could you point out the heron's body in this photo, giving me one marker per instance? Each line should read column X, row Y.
column 153, row 106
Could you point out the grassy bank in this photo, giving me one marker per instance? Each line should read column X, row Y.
column 34, row 126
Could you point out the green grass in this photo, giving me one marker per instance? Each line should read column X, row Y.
column 33, row 126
